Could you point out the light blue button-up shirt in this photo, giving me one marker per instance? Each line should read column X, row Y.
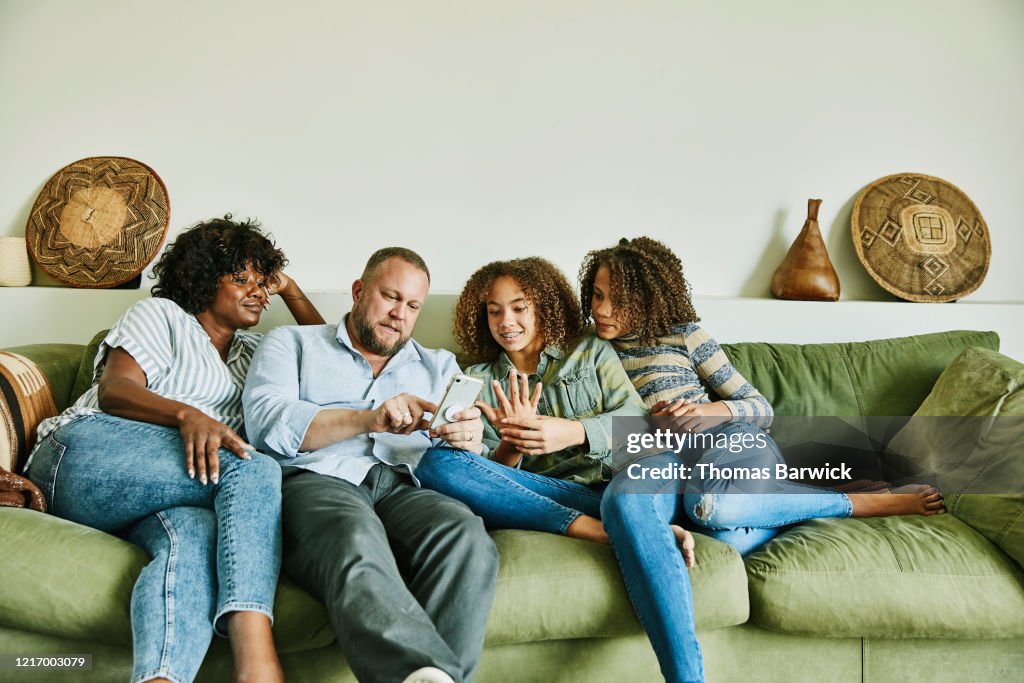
column 299, row 371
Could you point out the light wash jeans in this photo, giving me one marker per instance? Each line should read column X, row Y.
column 216, row 548
column 746, row 513
column 636, row 518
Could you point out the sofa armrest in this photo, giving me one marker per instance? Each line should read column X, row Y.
column 59, row 362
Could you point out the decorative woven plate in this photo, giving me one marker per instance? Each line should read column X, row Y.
column 921, row 238
column 98, row 222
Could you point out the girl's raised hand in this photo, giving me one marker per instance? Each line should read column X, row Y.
column 518, row 402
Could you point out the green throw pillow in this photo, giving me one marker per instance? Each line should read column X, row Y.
column 969, row 435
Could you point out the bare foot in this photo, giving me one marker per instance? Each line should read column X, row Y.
column 684, row 539
column 863, row 486
column 589, row 529
column 914, row 499
column 252, row 646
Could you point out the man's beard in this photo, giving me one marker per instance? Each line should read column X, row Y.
column 367, row 336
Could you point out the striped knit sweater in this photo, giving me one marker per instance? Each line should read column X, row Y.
column 690, row 364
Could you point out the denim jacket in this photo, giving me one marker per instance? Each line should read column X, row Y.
column 586, row 383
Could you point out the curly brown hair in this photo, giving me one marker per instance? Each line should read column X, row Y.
column 189, row 271
column 548, row 291
column 649, row 292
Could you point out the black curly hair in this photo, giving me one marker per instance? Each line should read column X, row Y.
column 546, row 288
column 649, row 291
column 189, row 271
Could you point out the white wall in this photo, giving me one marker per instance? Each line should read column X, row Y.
column 473, row 130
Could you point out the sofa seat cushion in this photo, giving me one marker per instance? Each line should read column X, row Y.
column 891, row 577
column 553, row 587
column 67, row 580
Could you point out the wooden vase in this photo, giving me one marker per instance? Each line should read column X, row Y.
column 806, row 274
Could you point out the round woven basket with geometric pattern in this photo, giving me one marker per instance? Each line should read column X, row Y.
column 921, row 238
column 98, row 222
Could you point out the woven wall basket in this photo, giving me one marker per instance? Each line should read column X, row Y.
column 98, row 222
column 921, row 238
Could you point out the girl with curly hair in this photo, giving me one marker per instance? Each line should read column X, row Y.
column 640, row 300
column 551, row 392
column 154, row 452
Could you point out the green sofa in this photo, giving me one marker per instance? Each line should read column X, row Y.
column 891, row 599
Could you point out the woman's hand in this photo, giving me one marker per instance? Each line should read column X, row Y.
column 540, row 434
column 518, row 403
column 203, row 438
column 683, row 416
column 277, row 283
column 301, row 308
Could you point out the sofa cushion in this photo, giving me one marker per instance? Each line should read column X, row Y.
column 553, row 587
column 979, row 382
column 888, row 577
column 67, row 580
column 882, row 377
column 25, row 400
column 969, row 432
column 59, row 362
column 83, row 378
column 549, row 587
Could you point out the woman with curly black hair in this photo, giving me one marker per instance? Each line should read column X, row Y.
column 154, row 452
column 641, row 301
column 551, row 392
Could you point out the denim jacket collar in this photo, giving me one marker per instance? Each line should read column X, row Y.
column 550, row 354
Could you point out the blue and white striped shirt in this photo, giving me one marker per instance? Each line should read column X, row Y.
column 179, row 360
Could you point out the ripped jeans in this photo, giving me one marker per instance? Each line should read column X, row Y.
column 726, row 504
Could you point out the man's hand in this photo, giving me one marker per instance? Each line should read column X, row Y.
column 402, row 414
column 465, row 432
column 683, row 416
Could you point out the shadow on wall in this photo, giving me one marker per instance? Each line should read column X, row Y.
column 758, row 285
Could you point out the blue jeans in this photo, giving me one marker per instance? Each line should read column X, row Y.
column 745, row 513
column 652, row 566
column 216, row 549
column 636, row 517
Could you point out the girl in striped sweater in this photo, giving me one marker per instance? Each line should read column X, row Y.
column 640, row 301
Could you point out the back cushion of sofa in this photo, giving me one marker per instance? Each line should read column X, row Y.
column 852, row 381
column 881, row 377
column 83, row 380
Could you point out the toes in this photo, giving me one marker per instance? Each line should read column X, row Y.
column 688, row 554
column 684, row 539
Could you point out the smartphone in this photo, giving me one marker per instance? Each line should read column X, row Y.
column 461, row 393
